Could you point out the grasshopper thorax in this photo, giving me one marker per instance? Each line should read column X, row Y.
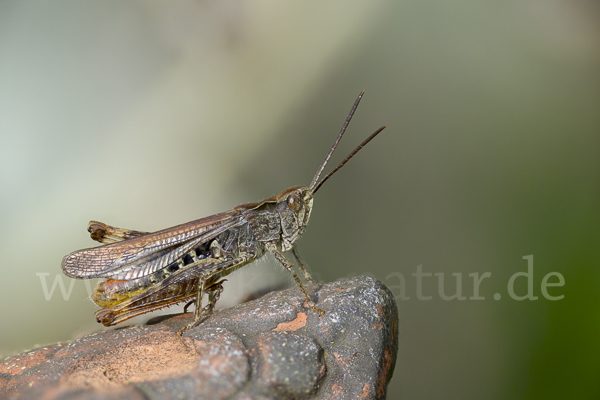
column 280, row 219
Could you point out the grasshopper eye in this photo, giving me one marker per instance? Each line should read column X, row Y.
column 293, row 202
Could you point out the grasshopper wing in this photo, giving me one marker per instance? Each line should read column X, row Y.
column 147, row 253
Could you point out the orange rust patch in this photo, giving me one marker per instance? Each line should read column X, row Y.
column 297, row 323
column 365, row 391
column 383, row 377
column 337, row 391
column 322, row 370
column 378, row 325
column 343, row 361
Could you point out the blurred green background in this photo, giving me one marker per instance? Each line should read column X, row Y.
column 148, row 114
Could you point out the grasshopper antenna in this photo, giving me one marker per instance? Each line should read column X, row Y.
column 337, row 140
column 340, row 165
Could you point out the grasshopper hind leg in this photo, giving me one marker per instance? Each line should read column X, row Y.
column 189, row 303
column 213, row 297
column 198, row 311
column 214, row 293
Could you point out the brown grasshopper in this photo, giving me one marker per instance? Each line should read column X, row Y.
column 149, row 271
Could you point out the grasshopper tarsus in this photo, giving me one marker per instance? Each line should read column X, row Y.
column 314, row 308
column 186, row 328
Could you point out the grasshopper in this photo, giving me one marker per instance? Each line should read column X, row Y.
column 149, row 271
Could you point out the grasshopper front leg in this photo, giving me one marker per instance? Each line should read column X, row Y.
column 290, row 267
column 302, row 266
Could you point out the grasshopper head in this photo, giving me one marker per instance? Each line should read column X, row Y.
column 293, row 206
